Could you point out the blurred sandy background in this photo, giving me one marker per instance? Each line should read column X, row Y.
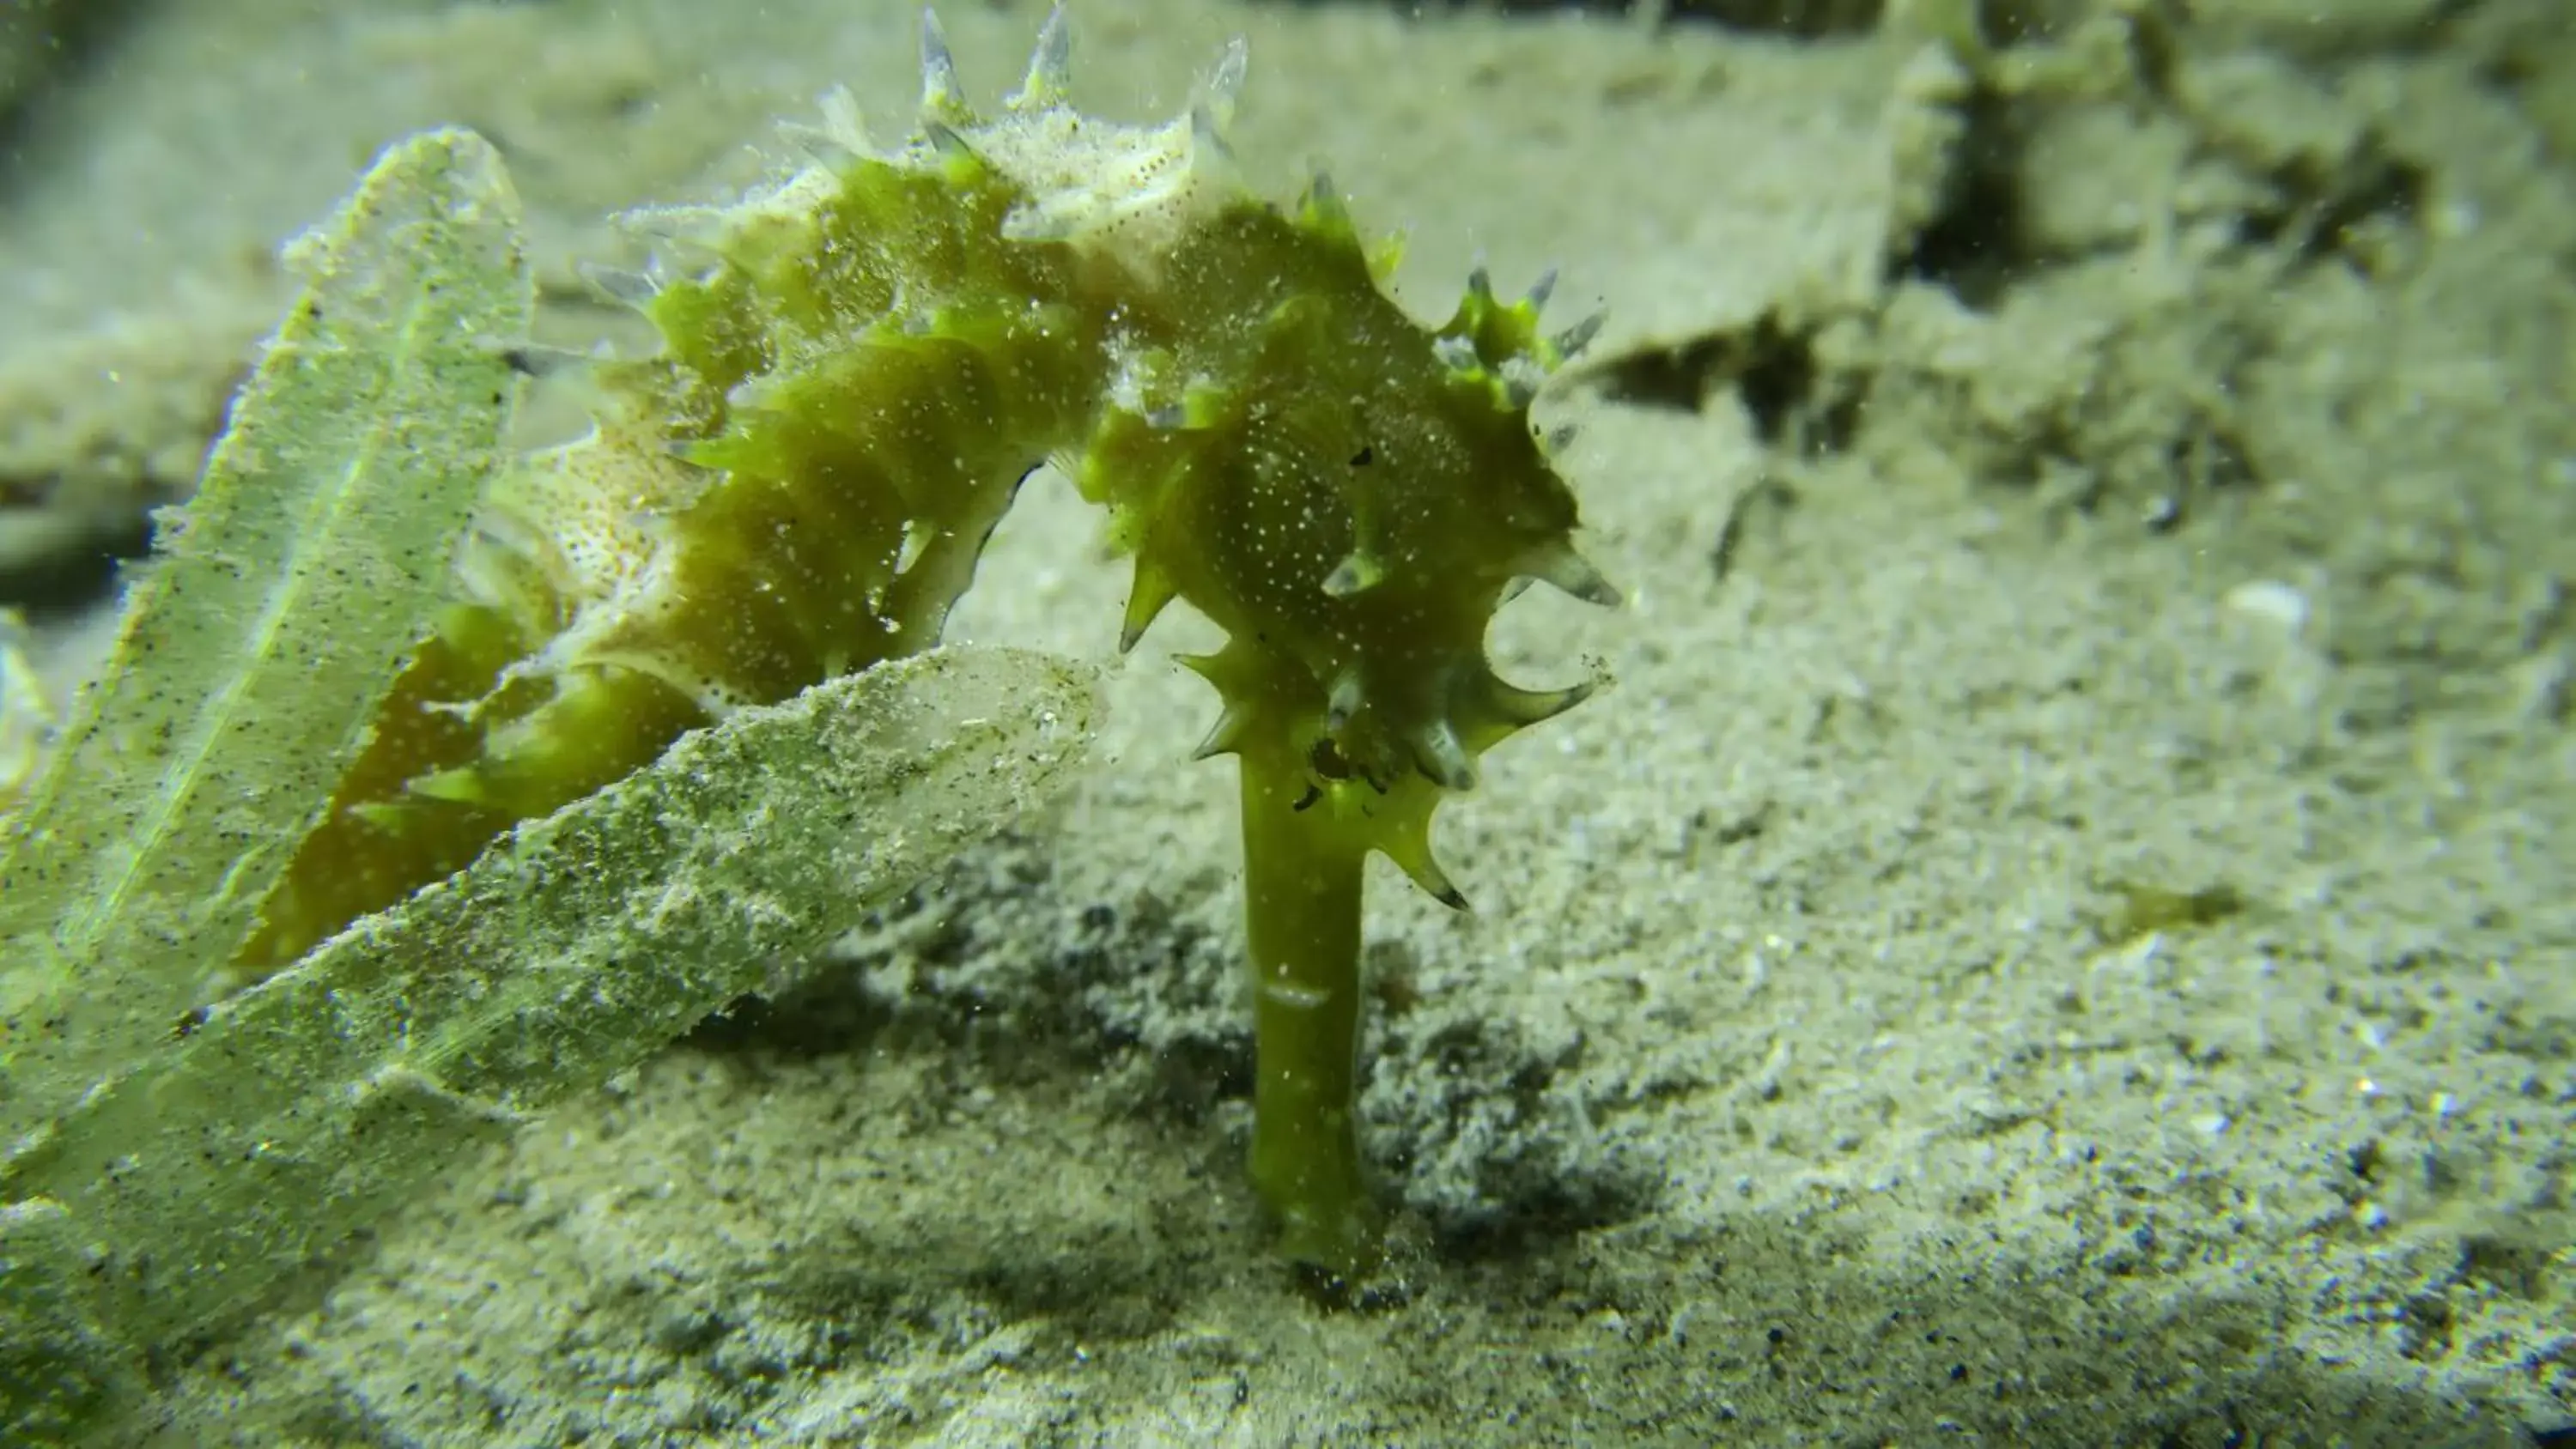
column 2059, row 936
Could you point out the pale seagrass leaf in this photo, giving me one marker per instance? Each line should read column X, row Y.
column 300, row 1109
column 255, row 650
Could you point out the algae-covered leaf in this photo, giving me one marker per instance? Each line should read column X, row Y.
column 26, row 715
column 254, row 652
column 300, row 1108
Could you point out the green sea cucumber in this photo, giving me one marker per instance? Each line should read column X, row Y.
column 864, row 359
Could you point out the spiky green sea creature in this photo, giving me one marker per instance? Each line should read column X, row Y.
column 875, row 352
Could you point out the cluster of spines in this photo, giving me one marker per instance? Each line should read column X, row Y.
column 1493, row 357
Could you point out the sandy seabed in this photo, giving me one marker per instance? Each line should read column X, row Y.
column 2059, row 934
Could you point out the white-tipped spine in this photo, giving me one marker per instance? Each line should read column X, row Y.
column 942, row 100
column 1050, row 74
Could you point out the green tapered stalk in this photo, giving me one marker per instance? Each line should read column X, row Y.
column 1302, row 877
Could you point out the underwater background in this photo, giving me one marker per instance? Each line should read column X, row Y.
column 2057, row 933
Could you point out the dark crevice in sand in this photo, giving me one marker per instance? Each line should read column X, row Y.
column 1794, row 19
column 2324, row 213
column 48, row 46
column 1973, row 244
column 59, row 583
column 1771, row 367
